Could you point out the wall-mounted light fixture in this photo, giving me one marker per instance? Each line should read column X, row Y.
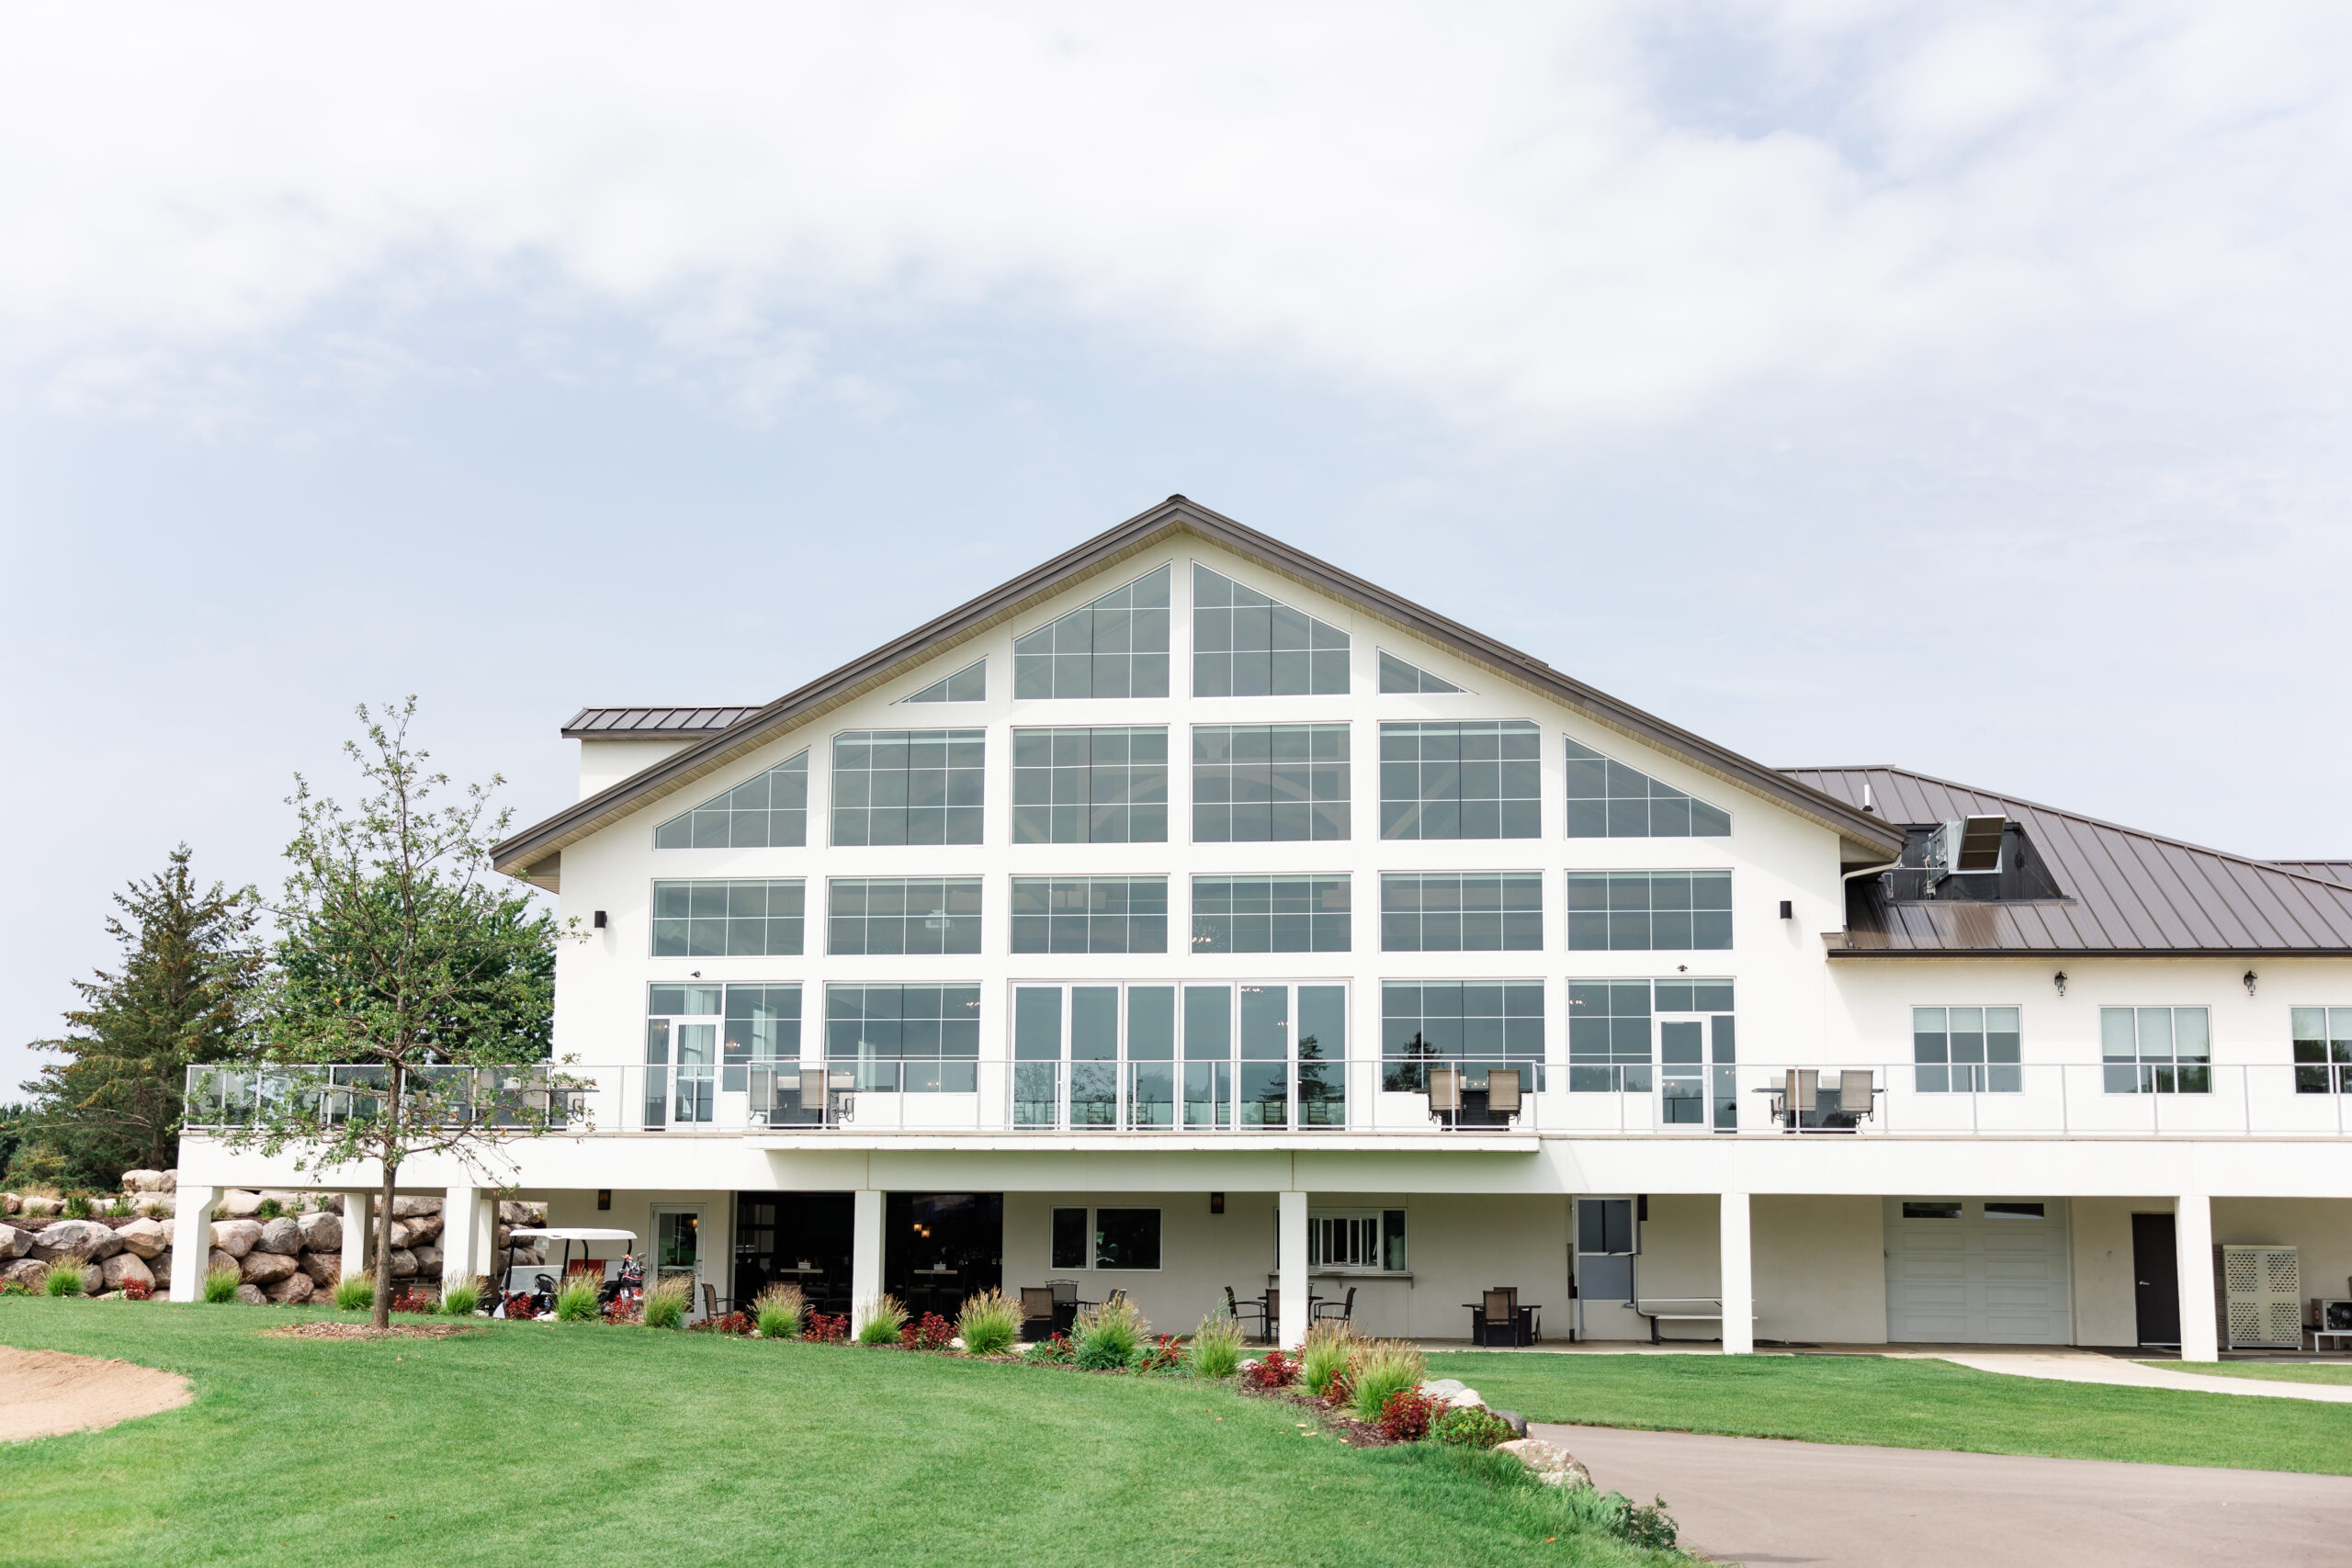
column 1217, row 1203
column 2059, row 980
column 2249, row 982
column 604, row 1198
column 600, row 919
column 1788, row 908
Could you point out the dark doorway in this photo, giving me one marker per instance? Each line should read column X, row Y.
column 800, row 1237
column 2155, row 1275
column 942, row 1247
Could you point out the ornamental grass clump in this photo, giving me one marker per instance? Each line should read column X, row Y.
column 1384, row 1367
column 1216, row 1350
column 77, row 1207
column 881, row 1321
column 1330, row 1349
column 1108, row 1337
column 221, row 1285
column 576, row 1302
column 990, row 1324
column 461, row 1300
column 776, row 1311
column 353, row 1293
column 67, row 1277
column 666, row 1303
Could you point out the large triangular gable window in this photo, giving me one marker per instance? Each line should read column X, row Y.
column 1609, row 800
column 768, row 812
column 1395, row 675
column 969, row 684
column 1116, row 646
column 1245, row 645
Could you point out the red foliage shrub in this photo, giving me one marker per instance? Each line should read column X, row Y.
column 929, row 1332
column 137, row 1289
column 826, row 1330
column 1405, row 1416
column 1273, row 1370
column 728, row 1323
column 1056, row 1350
column 1339, row 1393
column 417, row 1301
column 519, row 1305
column 1163, row 1355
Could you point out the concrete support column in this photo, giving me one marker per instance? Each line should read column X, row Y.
column 1739, row 1277
column 2200, row 1339
column 865, row 1251
column 462, row 1254
column 358, row 1211
column 191, row 1240
column 1290, row 1242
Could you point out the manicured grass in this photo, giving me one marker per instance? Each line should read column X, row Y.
column 1911, row 1404
column 565, row 1443
column 2279, row 1372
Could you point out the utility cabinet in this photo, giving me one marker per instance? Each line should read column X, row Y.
column 2262, row 1300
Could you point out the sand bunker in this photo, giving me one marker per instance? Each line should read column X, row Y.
column 43, row 1393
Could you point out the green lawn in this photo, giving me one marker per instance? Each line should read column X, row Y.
column 530, row 1443
column 2281, row 1371
column 1911, row 1404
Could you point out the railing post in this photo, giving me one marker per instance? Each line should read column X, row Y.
column 2065, row 1109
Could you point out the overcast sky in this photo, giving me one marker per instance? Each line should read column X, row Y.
column 1956, row 387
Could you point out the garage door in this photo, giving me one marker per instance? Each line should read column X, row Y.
column 1976, row 1271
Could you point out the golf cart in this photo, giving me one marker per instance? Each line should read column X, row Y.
column 541, row 1281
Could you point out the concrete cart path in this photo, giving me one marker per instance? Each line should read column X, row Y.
column 1766, row 1501
column 2077, row 1366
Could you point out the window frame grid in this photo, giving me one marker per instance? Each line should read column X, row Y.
column 1516, row 928
column 1404, row 1063
column 1326, row 930
column 2328, row 1071
column 1294, row 799
column 1615, row 916
column 2148, row 1072
column 724, row 822
column 960, row 932
column 950, row 1066
column 1216, row 1071
column 1459, row 797
column 773, row 925
column 1305, row 656
column 1081, row 798
column 1631, row 811
column 1100, row 644
column 1051, row 930
column 948, row 791
column 1981, row 1073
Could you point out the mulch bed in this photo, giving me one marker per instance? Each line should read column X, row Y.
column 366, row 1331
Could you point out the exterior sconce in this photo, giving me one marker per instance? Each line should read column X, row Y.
column 2059, row 980
column 1788, row 909
column 2249, row 982
column 600, row 919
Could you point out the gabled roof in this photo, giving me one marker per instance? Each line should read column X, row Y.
column 654, row 723
column 532, row 852
column 2127, row 891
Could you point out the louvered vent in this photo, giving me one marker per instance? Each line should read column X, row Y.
column 2261, row 1298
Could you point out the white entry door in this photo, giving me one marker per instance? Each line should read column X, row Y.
column 1977, row 1271
column 678, row 1251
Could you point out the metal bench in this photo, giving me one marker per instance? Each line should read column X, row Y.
column 1680, row 1309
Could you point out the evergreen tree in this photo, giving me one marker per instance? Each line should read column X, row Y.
column 184, row 996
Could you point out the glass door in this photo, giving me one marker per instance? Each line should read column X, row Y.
column 678, row 1251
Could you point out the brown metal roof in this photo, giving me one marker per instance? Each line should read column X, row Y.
column 657, row 722
column 2336, row 871
column 534, row 853
column 2126, row 891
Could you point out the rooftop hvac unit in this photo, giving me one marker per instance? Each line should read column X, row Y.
column 1964, row 845
column 2262, row 1305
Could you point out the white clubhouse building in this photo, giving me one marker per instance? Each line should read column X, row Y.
column 1187, row 914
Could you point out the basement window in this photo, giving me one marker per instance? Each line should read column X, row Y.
column 1931, row 1211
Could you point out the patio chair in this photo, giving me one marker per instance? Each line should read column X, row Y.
column 1337, row 1311
column 1037, row 1307
column 1502, row 1090
column 1273, row 1313
column 1445, row 1091
column 1494, row 1320
column 1856, row 1092
column 1246, row 1313
column 710, row 1300
column 1799, row 1094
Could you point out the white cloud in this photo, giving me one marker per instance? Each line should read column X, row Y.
column 1506, row 211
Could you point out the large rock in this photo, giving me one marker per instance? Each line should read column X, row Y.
column 322, row 1233
column 288, row 1199
column 280, row 1234
column 531, row 1213
column 235, row 1238
column 502, row 1236
column 403, row 1234
column 148, row 1181
column 268, row 1268
column 409, row 1207
column 293, row 1290
column 161, row 1267
column 250, row 1295
column 11, row 1204
column 403, row 1263
column 157, row 1205
column 145, row 1238
column 78, row 1238
column 26, row 1270
column 428, row 1260
column 215, row 1261
column 425, row 1228
column 240, row 1205
column 1549, row 1462
column 35, row 1207
column 330, row 1203
column 324, row 1268
column 125, row 1268
column 15, row 1242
